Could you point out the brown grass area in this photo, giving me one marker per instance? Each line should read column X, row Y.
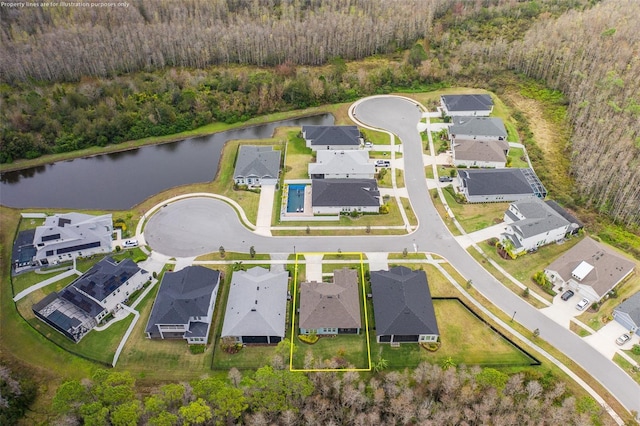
column 543, row 130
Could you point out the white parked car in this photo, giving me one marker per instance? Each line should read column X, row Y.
column 130, row 243
column 623, row 339
column 582, row 304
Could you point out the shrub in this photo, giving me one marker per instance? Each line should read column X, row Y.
column 230, row 346
column 431, row 346
column 197, row 349
column 309, row 338
column 493, row 241
column 384, row 209
column 635, row 349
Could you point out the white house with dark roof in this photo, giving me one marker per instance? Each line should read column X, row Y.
column 334, row 164
column 532, row 223
column 331, row 308
column 478, row 128
column 591, row 269
column 76, row 309
column 334, row 196
column 402, row 306
column 68, row 235
column 257, row 165
column 332, row 137
column 256, row 307
column 480, row 105
column 183, row 308
column 479, row 153
column 497, row 185
column 628, row 313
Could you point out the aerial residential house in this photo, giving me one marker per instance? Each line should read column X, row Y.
column 480, row 153
column 69, row 235
column 628, row 313
column 497, row 185
column 80, row 306
column 402, row 306
column 257, row 307
column 257, row 166
column 591, row 269
column 334, row 196
column 532, row 223
column 331, row 308
column 332, row 137
column 332, row 164
column 575, row 224
column 183, row 308
column 480, row 105
column 477, row 128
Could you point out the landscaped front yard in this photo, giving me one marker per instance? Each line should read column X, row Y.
column 515, row 158
column 476, row 216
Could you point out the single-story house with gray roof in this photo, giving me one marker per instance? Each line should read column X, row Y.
column 480, row 105
column 628, row 313
column 478, row 128
column 256, row 307
column 331, row 308
column 334, row 164
column 183, row 308
column 532, row 223
column 497, row 185
column 591, row 269
column 402, row 306
column 334, row 196
column 332, row 137
column 480, row 153
column 77, row 309
column 257, row 165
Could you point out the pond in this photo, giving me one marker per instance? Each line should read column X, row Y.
column 120, row 180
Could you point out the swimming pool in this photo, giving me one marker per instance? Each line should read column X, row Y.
column 295, row 199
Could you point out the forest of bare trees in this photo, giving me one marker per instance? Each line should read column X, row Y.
column 592, row 57
column 58, row 43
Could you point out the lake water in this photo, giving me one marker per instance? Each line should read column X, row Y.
column 119, row 181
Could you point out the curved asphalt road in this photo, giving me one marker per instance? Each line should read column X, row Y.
column 174, row 231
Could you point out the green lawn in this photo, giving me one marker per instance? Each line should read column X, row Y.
column 633, row 372
column 525, row 266
column 385, row 155
column 27, row 279
column 428, row 172
column 410, row 255
column 516, row 157
column 229, row 255
column 393, row 218
column 348, row 347
column 476, row 216
column 464, row 338
column 298, row 156
column 376, row 137
column 411, row 216
column 443, row 214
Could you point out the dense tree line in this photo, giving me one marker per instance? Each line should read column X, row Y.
column 16, row 394
column 428, row 395
column 67, row 43
column 591, row 56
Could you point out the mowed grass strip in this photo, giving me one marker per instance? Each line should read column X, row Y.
column 350, row 348
column 464, row 338
column 476, row 216
column 298, row 155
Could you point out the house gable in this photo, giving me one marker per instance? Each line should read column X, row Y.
column 481, row 103
column 257, row 162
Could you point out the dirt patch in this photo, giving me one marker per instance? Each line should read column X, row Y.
column 541, row 128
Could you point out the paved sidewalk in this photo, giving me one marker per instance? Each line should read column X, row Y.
column 265, row 209
column 45, row 283
column 481, row 235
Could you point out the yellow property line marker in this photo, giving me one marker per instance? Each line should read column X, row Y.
column 293, row 317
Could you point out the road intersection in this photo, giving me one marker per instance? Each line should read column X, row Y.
column 196, row 226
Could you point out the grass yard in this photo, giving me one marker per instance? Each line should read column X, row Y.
column 578, row 330
column 350, row 256
column 443, row 214
column 428, row 172
column 230, row 255
column 384, row 155
column 345, row 348
column 476, row 216
column 298, row 156
column 524, row 267
column 515, row 158
column 410, row 255
column 27, row 279
column 343, row 232
column 411, row 216
column 386, row 182
column 464, row 338
column 632, row 371
column 377, row 137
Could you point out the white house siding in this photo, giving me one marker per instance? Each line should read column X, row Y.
column 333, row 147
column 134, row 283
column 481, row 164
column 483, row 113
column 536, row 241
column 495, row 198
column 453, row 137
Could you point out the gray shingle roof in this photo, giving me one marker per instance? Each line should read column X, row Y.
column 609, row 266
column 329, row 305
column 332, row 135
column 539, row 218
column 183, row 294
column 257, row 303
column 562, row 212
column 471, row 102
column 257, row 161
column 344, row 192
column 480, row 150
column 402, row 302
column 105, row 277
column 478, row 126
column 632, row 307
column 501, row 181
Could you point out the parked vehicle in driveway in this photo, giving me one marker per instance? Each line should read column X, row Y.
column 582, row 304
column 567, row 295
column 623, row 339
column 383, row 163
column 130, row 243
column 445, row 179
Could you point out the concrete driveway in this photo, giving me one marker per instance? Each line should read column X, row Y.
column 604, row 341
